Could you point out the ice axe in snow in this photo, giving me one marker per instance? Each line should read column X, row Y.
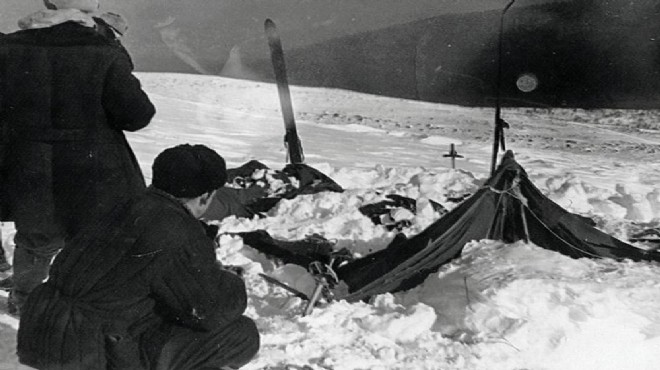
column 326, row 279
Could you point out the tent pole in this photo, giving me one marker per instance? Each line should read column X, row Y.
column 499, row 124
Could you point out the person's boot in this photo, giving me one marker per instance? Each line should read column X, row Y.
column 7, row 283
column 14, row 304
column 4, row 264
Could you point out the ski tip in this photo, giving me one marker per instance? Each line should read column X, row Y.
column 269, row 23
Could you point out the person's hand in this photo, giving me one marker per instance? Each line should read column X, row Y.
column 238, row 270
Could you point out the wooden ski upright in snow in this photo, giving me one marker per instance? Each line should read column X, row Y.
column 291, row 139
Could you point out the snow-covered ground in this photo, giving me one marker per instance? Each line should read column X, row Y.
column 499, row 306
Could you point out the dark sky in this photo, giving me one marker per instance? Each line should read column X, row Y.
column 583, row 52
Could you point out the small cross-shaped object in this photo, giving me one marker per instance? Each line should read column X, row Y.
column 453, row 154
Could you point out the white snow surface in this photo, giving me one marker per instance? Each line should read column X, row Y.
column 499, row 306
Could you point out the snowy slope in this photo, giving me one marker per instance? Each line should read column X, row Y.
column 499, row 306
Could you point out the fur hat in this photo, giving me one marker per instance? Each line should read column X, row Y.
column 188, row 171
column 89, row 6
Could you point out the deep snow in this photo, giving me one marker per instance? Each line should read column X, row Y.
column 498, row 306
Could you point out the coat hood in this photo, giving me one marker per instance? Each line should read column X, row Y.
column 49, row 18
column 88, row 6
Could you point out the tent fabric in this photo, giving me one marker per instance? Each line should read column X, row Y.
column 300, row 252
column 509, row 208
column 311, row 180
column 375, row 211
column 248, row 195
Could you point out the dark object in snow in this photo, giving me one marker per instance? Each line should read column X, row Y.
column 652, row 234
column 650, row 237
column 310, row 180
column 300, row 252
column 315, row 253
column 375, row 211
column 291, row 139
column 250, row 193
column 246, row 170
column 509, row 208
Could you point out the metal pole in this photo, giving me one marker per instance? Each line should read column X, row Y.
column 498, row 109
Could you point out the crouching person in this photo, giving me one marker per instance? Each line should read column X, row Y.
column 142, row 289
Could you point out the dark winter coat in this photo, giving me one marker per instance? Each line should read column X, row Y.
column 148, row 265
column 3, row 148
column 66, row 95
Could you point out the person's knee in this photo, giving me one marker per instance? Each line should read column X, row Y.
column 39, row 244
column 250, row 333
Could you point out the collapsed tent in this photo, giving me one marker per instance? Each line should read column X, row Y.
column 509, row 208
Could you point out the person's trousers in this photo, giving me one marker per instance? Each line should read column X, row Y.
column 33, row 255
column 4, row 264
column 229, row 347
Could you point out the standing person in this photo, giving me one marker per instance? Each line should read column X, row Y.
column 142, row 288
column 67, row 94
